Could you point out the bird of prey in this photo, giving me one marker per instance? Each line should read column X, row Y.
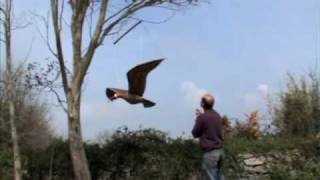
column 137, row 78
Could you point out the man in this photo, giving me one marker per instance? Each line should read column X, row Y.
column 209, row 129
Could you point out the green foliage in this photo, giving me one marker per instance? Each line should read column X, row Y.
column 299, row 108
column 52, row 161
column 296, row 170
column 5, row 164
column 141, row 154
column 237, row 145
column 227, row 129
column 240, row 145
column 32, row 125
column 150, row 154
column 305, row 166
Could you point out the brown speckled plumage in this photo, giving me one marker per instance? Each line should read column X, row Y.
column 137, row 78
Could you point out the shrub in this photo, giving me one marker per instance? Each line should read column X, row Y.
column 227, row 128
column 250, row 128
column 150, row 154
column 298, row 113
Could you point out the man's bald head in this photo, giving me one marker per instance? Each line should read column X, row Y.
column 207, row 101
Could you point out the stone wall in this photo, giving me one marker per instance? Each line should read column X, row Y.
column 257, row 167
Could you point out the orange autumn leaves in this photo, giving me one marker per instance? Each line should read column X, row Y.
column 250, row 128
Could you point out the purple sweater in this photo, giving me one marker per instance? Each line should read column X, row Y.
column 209, row 128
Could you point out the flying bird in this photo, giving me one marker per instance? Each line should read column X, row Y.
column 137, row 79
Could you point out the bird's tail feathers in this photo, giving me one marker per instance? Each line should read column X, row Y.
column 147, row 103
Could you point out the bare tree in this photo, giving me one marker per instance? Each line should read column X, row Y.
column 106, row 23
column 10, row 84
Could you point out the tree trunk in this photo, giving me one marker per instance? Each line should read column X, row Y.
column 11, row 92
column 77, row 151
column 15, row 144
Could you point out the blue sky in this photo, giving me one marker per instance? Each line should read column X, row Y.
column 238, row 50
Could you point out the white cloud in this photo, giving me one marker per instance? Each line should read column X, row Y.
column 192, row 93
column 263, row 88
column 256, row 100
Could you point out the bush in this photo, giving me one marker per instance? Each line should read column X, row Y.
column 6, row 164
column 150, row 154
column 298, row 113
column 227, row 128
column 53, row 161
column 296, row 170
column 31, row 121
column 142, row 154
column 250, row 128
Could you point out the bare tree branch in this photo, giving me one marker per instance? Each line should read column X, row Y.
column 21, row 26
column 45, row 37
column 152, row 22
column 101, row 32
column 60, row 101
column 90, row 17
column 126, row 12
column 94, row 42
column 60, row 56
column 130, row 29
column 61, row 15
column 118, row 12
column 29, row 51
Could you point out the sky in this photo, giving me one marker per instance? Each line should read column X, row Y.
column 238, row 50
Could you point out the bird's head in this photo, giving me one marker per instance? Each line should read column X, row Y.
column 111, row 94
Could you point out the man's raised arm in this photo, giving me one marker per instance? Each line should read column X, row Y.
column 198, row 126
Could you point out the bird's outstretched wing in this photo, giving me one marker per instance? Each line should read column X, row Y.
column 137, row 76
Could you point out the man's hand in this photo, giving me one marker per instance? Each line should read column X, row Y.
column 198, row 112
